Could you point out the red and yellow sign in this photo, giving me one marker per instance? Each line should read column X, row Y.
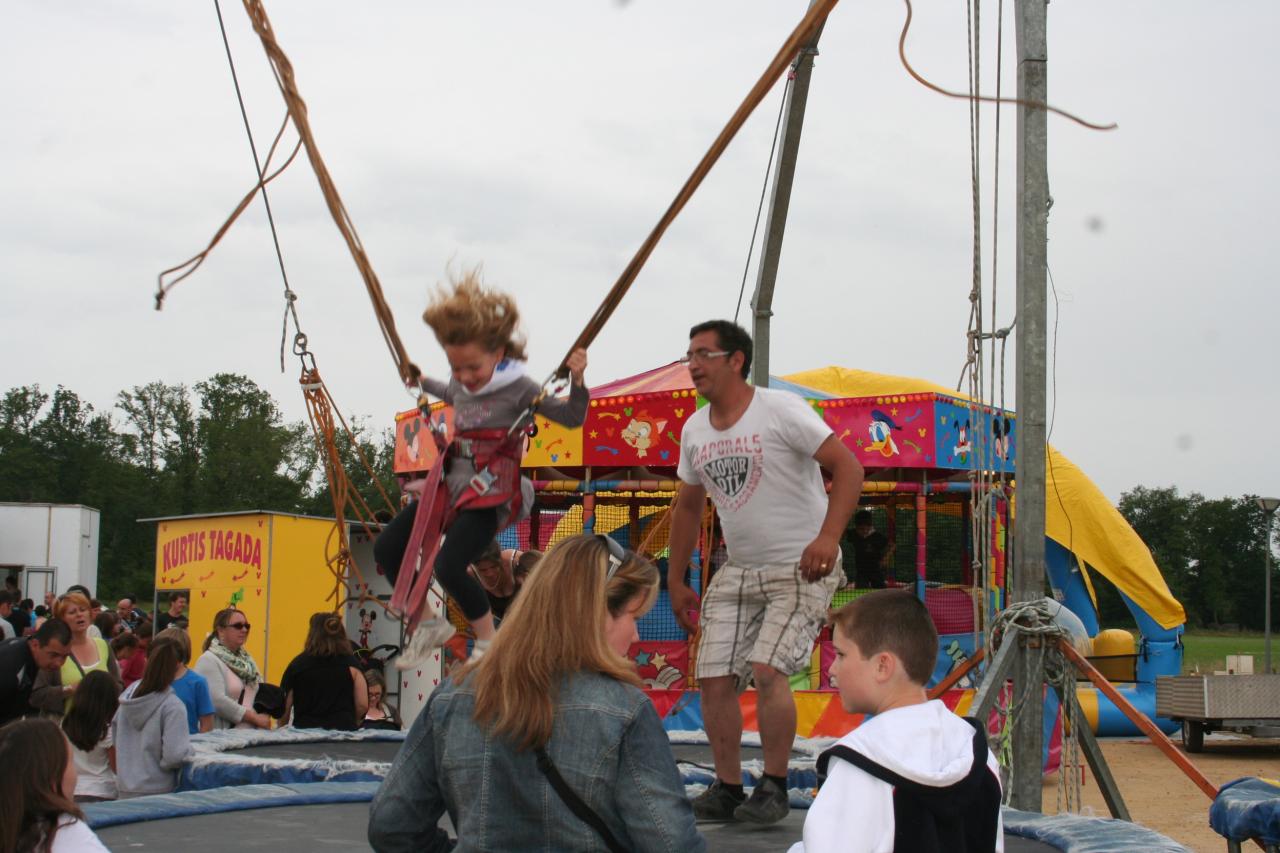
column 269, row 566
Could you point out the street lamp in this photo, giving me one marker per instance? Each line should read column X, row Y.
column 1269, row 507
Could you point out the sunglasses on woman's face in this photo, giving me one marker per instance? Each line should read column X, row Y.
column 238, row 626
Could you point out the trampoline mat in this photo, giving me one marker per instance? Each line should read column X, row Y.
column 381, row 751
column 700, row 753
column 727, row 837
column 325, row 826
column 342, row 826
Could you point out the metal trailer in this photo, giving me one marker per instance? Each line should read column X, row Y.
column 1248, row 704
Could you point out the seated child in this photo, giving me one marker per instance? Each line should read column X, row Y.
column 914, row 776
column 380, row 715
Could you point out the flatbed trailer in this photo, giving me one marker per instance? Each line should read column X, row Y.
column 1203, row 704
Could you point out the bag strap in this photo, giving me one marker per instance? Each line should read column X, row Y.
column 71, row 656
column 575, row 803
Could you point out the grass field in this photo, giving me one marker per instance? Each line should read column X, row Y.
column 1209, row 649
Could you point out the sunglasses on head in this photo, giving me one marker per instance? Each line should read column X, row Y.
column 617, row 555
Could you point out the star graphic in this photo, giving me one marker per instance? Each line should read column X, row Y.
column 568, row 454
column 894, row 411
column 659, row 660
column 594, row 434
column 858, row 442
column 642, row 658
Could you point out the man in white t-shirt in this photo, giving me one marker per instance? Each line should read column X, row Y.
column 757, row 453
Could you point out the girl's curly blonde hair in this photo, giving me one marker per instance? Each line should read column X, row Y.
column 468, row 312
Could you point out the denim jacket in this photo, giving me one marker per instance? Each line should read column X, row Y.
column 607, row 742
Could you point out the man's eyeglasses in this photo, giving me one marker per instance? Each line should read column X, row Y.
column 238, row 626
column 617, row 555
column 702, row 356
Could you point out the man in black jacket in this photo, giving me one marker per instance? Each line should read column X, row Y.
column 21, row 658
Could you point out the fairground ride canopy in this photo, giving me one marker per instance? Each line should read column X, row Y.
column 893, row 424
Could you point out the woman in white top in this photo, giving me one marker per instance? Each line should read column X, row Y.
column 232, row 673
column 88, row 726
column 36, row 809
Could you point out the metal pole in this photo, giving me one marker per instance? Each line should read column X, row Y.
column 1266, row 610
column 779, row 202
column 1029, row 556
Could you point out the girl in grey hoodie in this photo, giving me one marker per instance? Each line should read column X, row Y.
column 150, row 728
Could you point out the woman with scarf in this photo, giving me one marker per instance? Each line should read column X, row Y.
column 231, row 672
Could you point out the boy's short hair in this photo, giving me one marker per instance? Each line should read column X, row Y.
column 895, row 621
column 862, row 516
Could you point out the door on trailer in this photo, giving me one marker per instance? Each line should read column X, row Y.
column 36, row 581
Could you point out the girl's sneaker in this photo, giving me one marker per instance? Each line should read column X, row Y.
column 478, row 650
column 431, row 635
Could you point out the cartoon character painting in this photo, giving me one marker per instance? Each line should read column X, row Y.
column 963, row 446
column 367, row 618
column 642, row 433
column 881, row 432
column 1001, row 430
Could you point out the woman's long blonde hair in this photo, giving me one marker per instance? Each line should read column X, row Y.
column 468, row 312
column 556, row 627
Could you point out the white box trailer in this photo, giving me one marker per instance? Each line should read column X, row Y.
column 49, row 546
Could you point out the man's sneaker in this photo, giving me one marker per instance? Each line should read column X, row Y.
column 716, row 803
column 768, row 803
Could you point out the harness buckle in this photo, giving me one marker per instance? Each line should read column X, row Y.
column 483, row 481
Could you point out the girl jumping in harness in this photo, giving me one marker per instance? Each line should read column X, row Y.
column 476, row 489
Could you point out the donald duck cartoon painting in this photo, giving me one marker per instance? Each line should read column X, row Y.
column 881, row 432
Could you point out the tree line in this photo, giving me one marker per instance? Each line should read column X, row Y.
column 221, row 445
column 1210, row 551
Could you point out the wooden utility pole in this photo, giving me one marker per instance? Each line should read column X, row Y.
column 1029, row 552
column 779, row 202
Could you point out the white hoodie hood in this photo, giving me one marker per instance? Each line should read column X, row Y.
column 854, row 811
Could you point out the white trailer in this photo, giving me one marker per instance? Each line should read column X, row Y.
column 49, row 546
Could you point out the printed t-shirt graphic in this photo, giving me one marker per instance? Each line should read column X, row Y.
column 731, row 469
column 761, row 475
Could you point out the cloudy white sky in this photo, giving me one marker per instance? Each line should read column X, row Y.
column 544, row 140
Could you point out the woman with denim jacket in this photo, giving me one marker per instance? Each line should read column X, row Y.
column 556, row 679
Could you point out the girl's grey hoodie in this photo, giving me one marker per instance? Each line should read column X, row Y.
column 151, row 742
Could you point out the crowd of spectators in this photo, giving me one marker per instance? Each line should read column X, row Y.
column 98, row 703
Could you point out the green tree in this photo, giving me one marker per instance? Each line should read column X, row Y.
column 25, row 472
column 248, row 457
column 377, row 448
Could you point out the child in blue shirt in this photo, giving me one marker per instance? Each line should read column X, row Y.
column 190, row 686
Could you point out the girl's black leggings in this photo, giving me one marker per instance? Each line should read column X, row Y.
column 465, row 540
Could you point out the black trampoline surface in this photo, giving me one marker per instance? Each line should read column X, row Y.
column 383, row 751
column 342, row 826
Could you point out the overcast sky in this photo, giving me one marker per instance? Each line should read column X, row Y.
column 545, row 139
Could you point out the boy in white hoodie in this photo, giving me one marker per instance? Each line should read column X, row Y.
column 913, row 777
